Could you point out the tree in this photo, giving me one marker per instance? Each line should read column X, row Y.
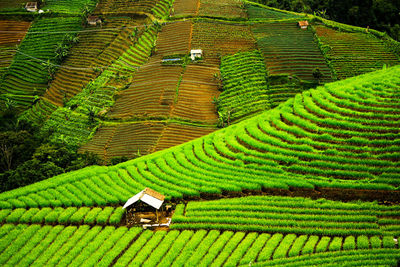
column 317, row 75
column 14, row 148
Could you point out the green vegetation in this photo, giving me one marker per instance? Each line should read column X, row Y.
column 286, row 215
column 378, row 14
column 27, row 77
column 312, row 178
column 245, row 88
column 284, row 144
column 70, row 7
column 287, row 49
column 368, row 53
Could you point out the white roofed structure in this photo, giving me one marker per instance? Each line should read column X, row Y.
column 196, row 53
column 148, row 196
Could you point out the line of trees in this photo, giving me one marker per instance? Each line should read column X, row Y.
column 383, row 15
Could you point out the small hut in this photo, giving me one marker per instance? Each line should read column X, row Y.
column 196, row 53
column 149, row 197
column 303, row 24
column 94, row 21
column 31, row 6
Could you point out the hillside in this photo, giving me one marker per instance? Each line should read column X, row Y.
column 278, row 146
column 127, row 91
column 77, row 209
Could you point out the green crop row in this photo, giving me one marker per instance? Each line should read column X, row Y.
column 375, row 257
column 71, row 7
column 245, row 88
column 37, row 245
column 289, row 215
column 162, row 8
column 368, row 53
column 28, row 74
column 69, row 215
column 280, row 148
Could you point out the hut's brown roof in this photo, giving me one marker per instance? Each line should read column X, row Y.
column 31, row 4
column 303, row 23
column 154, row 194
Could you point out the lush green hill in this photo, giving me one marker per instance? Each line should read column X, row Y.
column 312, row 178
column 337, row 139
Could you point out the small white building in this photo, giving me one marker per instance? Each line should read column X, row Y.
column 148, row 196
column 93, row 20
column 196, row 53
column 31, row 6
column 303, row 24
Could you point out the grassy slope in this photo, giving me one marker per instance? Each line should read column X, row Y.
column 319, row 144
column 294, row 153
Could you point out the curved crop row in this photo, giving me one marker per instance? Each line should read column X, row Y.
column 351, row 142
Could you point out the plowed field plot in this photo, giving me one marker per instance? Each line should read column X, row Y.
column 174, row 38
column 222, row 8
column 118, row 7
column 355, row 53
column 96, row 50
column 154, row 87
column 151, row 94
column 220, row 39
column 185, row 7
column 288, row 49
column 11, row 34
column 176, row 134
column 196, row 92
column 127, row 139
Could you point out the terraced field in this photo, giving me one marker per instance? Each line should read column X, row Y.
column 27, row 76
column 352, row 54
column 74, row 7
column 122, row 246
column 98, row 96
column 245, row 86
column 315, row 147
column 224, row 8
column 221, row 39
column 185, row 7
column 176, row 134
column 124, row 7
column 149, row 98
column 264, row 13
column 97, row 48
column 125, row 139
column 287, row 49
column 290, row 215
column 196, row 91
column 11, row 34
column 314, row 181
